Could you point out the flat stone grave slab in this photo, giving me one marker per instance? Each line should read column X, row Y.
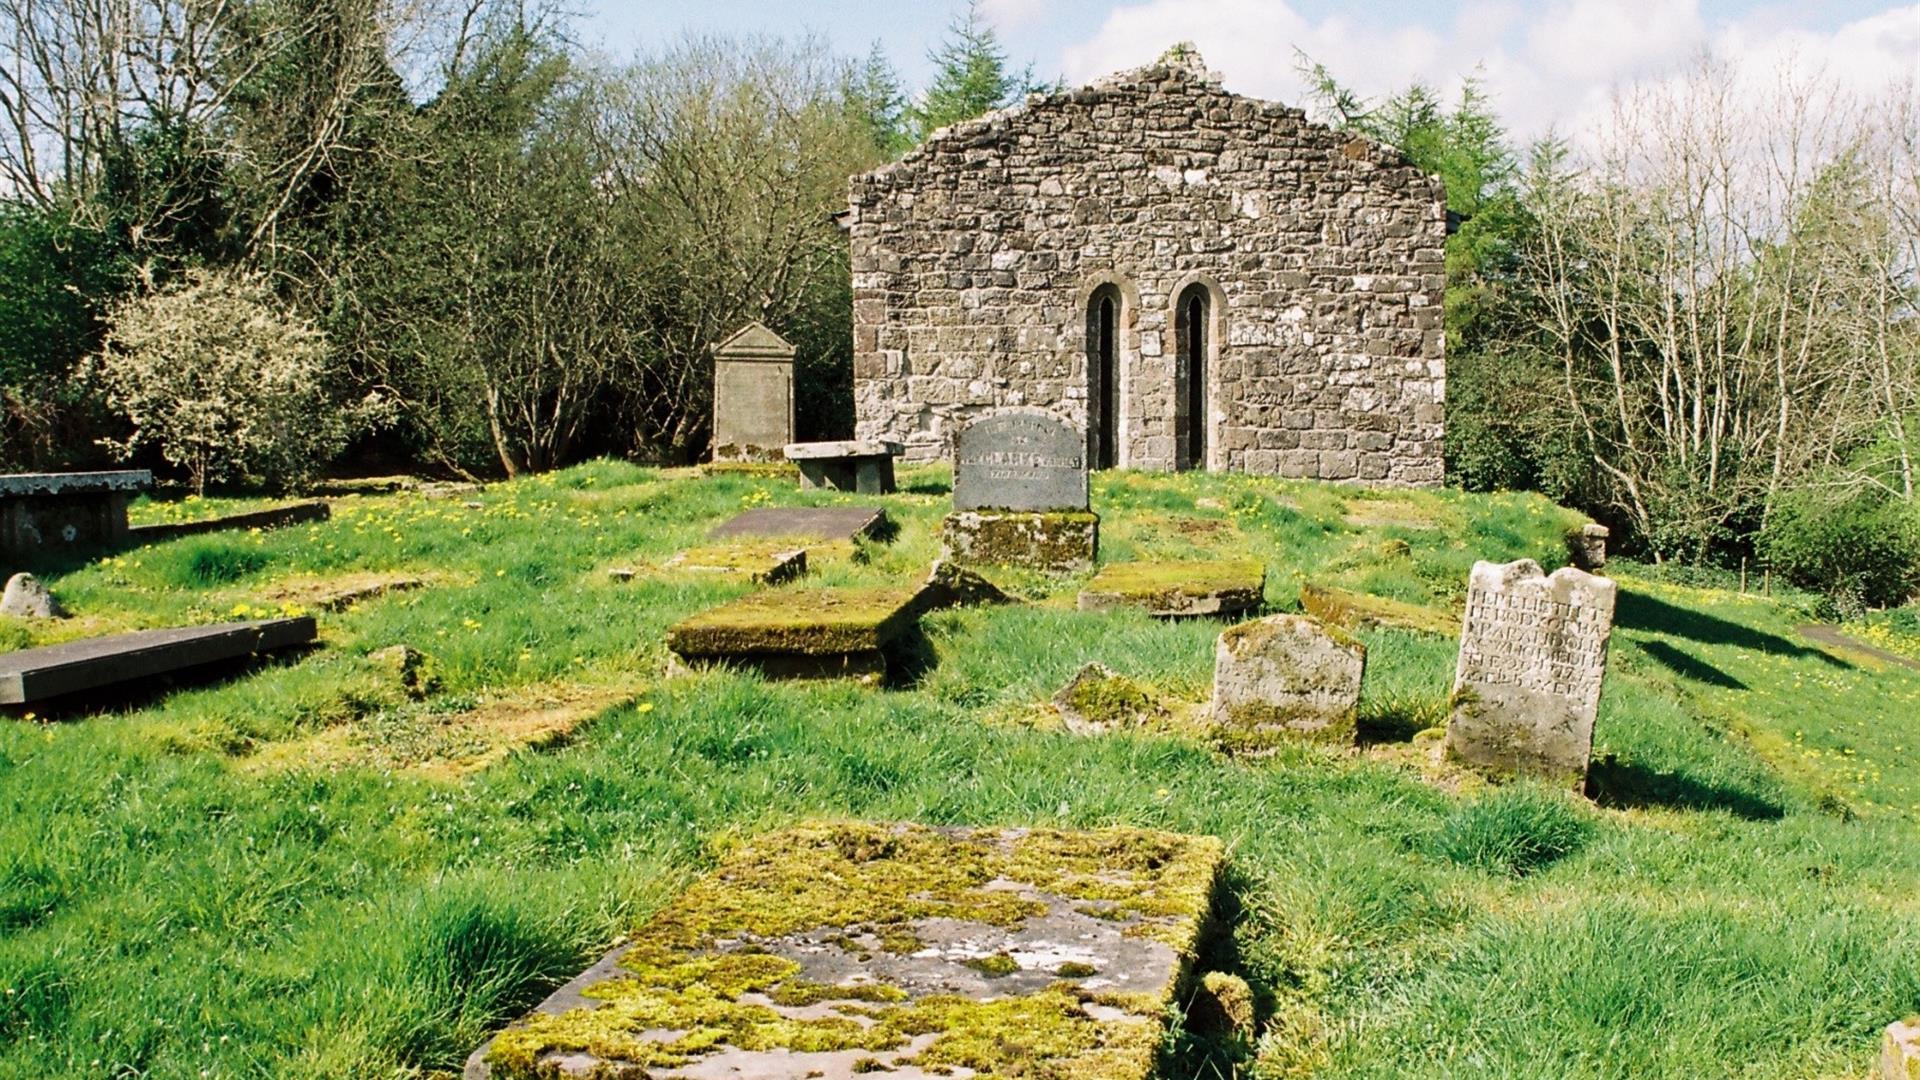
column 48, row 513
column 862, row 465
column 1364, row 611
column 840, row 949
column 804, row 522
column 764, row 562
column 273, row 517
column 1171, row 589
column 31, row 675
column 808, row 633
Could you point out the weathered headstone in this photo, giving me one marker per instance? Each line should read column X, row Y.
column 31, row 675
column 1286, row 676
column 1533, row 652
column 47, row 513
column 29, row 598
column 836, row 950
column 1020, row 493
column 804, row 522
column 861, row 465
column 1587, row 546
column 1900, row 1051
column 753, row 409
column 1174, row 589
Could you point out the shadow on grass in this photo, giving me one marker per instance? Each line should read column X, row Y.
column 911, row 657
column 1637, row 611
column 933, row 486
column 1689, row 666
column 1628, row 785
column 1395, row 723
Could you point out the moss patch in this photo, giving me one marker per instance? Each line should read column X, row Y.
column 1056, row 541
column 766, row 562
column 812, row 622
column 719, row 969
column 1101, row 699
column 1362, row 611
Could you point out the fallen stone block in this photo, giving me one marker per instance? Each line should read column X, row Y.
column 805, row 522
column 1364, row 611
column 1099, row 699
column 1900, row 1051
column 276, row 517
column 764, row 563
column 1285, row 676
column 831, row 950
column 1170, row 589
column 1048, row 540
column 31, row 675
column 811, row 633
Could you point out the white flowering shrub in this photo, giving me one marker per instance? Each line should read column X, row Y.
column 224, row 383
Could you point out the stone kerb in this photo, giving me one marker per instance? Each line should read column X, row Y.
column 1533, row 653
column 1020, row 493
column 753, row 403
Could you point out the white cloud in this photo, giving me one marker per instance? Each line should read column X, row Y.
column 1546, row 65
column 1012, row 14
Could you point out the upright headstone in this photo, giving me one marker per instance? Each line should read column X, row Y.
column 1285, row 677
column 753, row 410
column 1533, row 652
column 1020, row 483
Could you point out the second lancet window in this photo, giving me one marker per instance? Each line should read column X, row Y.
column 1103, row 377
column 1193, row 322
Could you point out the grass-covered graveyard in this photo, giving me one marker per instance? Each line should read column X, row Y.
column 358, row 861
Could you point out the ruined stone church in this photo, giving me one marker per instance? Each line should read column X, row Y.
column 1203, row 280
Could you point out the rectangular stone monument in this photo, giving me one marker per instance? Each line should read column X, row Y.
column 1533, row 652
column 1020, row 493
column 49, row 671
column 810, row 634
column 1285, row 677
column 861, row 465
column 44, row 514
column 834, row 950
column 753, row 409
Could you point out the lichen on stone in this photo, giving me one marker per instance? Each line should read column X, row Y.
column 809, row 622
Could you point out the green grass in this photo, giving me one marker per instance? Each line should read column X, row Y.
column 1730, row 906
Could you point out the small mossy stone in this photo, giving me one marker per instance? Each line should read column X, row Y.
column 1099, row 699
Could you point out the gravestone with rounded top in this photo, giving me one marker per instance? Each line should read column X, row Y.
column 1533, row 652
column 753, row 409
column 1020, row 483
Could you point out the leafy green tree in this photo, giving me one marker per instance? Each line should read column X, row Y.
column 877, row 102
column 971, row 76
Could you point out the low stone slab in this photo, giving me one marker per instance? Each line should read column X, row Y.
column 1169, row 589
column 862, row 465
column 1054, row 541
column 812, row 633
column 31, row 675
column 1099, row 699
column 1286, row 676
column 1364, row 611
column 804, row 522
column 1900, row 1051
column 275, row 517
column 764, row 563
column 834, row 950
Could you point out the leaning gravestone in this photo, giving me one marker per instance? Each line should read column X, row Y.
column 1533, row 652
column 1286, row 676
column 833, row 950
column 1020, row 485
column 753, row 411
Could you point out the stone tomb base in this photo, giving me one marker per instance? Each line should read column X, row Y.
column 837, row 950
column 1055, row 540
column 801, row 634
column 1286, row 676
column 1171, row 589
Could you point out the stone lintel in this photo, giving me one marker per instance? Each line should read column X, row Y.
column 845, row 448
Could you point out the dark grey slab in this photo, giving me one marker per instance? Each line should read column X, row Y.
column 31, row 675
column 275, row 517
column 811, row 522
column 74, row 483
column 1020, row 459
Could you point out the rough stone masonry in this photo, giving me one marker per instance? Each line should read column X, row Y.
column 1201, row 279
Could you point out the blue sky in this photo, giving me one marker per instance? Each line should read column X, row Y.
column 1547, row 63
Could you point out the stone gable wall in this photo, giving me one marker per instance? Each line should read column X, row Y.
column 974, row 259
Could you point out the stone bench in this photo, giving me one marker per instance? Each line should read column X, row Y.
column 31, row 675
column 43, row 514
column 833, row 950
column 862, row 465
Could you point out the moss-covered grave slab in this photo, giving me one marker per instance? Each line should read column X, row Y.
column 801, row 633
column 830, row 950
column 1364, row 611
column 765, row 562
column 1168, row 589
column 1050, row 540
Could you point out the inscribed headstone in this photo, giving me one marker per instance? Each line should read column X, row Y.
column 1020, row 459
column 753, row 409
column 1533, row 652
